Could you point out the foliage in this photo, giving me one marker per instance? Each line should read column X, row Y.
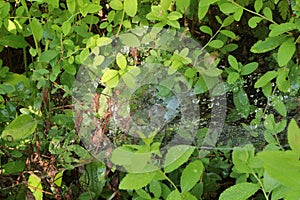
column 253, row 46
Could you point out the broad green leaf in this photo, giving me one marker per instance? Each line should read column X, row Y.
column 143, row 194
column 237, row 14
column 130, row 7
column 191, row 175
column 276, row 161
column 66, row 27
column 13, row 166
column 11, row 27
column 240, row 158
column 268, row 44
column 15, row 41
column 182, row 6
column 206, row 29
column 36, row 28
column 200, row 86
column 266, row 78
column 294, row 136
column 71, row 6
column 232, row 77
column 281, row 28
column 35, row 186
column 174, row 195
column 19, row 128
column 253, row 21
column 202, row 9
column 249, row 68
column 47, row 56
column 240, row 191
column 228, row 33
column 155, row 188
column 269, row 182
column 136, row 181
column 258, row 5
column 187, row 196
column 116, row 5
column 268, row 13
column 130, row 40
column 109, row 74
column 103, row 41
column 174, row 15
column 176, row 156
column 241, row 103
column 227, row 8
column 216, row 44
column 165, row 4
column 286, row 52
column 129, row 80
column 280, row 107
column 121, row 61
column 282, row 80
column 233, row 62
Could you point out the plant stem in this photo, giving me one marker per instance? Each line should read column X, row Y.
column 261, row 185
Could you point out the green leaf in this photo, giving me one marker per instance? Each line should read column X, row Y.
column 35, row 186
column 232, row 77
column 294, row 136
column 15, row 41
column 174, row 15
column 286, row 52
column 136, row 181
column 206, row 29
column 111, row 78
column 233, row 62
column 116, row 5
column 238, row 14
column 129, row 80
column 19, row 128
column 191, row 175
column 202, row 10
column 66, row 27
column 130, row 40
column 249, row 68
column 200, row 86
column 165, row 4
column 241, row 103
column 280, row 107
column 258, row 5
column 241, row 191
column 228, row 33
column 58, row 178
column 13, row 166
column 276, row 161
column 11, row 27
column 227, row 8
column 130, row 7
column 268, row 44
column 121, row 61
column 266, row 78
column 174, row 195
column 36, row 28
column 216, row 44
column 71, row 6
column 47, row 56
column 155, row 188
column 268, row 13
column 142, row 193
column 253, row 21
column 103, row 41
column 281, row 28
column 176, row 156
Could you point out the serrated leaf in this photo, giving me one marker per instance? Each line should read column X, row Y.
column 130, row 40
column 241, row 102
column 241, row 191
column 266, row 78
column 19, row 128
column 286, row 52
column 233, row 62
column 268, row 44
column 35, row 186
column 249, row 68
column 36, row 28
column 176, row 156
column 191, row 175
column 130, row 7
column 294, row 136
column 136, row 181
